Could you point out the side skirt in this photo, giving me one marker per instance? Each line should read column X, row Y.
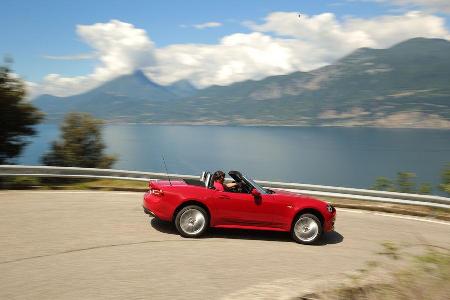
column 251, row 227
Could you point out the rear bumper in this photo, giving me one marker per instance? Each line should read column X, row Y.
column 155, row 206
column 148, row 211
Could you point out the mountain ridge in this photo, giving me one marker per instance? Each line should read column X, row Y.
column 406, row 85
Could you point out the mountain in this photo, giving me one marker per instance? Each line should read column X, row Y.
column 407, row 85
column 120, row 98
column 182, row 88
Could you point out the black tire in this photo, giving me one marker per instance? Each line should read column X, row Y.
column 306, row 229
column 192, row 221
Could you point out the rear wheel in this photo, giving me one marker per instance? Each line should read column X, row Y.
column 307, row 229
column 191, row 221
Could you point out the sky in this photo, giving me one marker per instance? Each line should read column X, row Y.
column 63, row 47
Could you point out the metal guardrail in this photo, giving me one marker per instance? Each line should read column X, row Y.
column 308, row 189
column 75, row 172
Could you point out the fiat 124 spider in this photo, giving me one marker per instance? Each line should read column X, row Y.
column 193, row 205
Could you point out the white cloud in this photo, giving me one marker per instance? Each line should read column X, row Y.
column 237, row 57
column 120, row 48
column 324, row 30
column 202, row 25
column 207, row 25
column 283, row 43
column 33, row 89
column 296, row 44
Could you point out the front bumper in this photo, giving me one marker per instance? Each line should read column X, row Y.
column 330, row 218
column 333, row 221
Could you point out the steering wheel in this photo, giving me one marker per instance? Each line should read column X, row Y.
column 240, row 187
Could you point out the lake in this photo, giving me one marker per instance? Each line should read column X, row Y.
column 349, row 157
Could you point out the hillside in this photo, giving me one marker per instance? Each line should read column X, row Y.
column 120, row 99
column 407, row 85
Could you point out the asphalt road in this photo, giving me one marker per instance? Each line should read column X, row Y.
column 100, row 245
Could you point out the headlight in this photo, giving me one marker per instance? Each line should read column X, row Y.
column 330, row 208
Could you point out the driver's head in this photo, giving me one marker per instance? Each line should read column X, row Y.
column 219, row 176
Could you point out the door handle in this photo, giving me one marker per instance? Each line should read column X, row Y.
column 224, row 197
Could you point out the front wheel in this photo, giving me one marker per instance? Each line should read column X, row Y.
column 307, row 229
column 191, row 221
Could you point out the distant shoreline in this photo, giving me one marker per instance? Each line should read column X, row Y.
column 230, row 124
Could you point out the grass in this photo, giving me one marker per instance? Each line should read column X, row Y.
column 72, row 184
column 424, row 276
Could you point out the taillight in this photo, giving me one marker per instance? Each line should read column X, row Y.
column 155, row 191
column 158, row 193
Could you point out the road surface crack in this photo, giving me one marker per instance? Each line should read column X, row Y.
column 88, row 249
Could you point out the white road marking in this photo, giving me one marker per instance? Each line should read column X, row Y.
column 392, row 215
column 356, row 211
column 412, row 218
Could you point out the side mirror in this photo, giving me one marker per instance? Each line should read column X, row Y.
column 255, row 193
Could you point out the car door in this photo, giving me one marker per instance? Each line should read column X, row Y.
column 243, row 209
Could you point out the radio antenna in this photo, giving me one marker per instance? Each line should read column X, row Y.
column 167, row 172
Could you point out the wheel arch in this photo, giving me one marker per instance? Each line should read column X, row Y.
column 309, row 210
column 191, row 202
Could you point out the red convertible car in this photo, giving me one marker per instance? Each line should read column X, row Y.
column 194, row 205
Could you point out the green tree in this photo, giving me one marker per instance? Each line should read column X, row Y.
column 383, row 184
column 17, row 116
column 405, row 183
column 445, row 175
column 80, row 145
column 425, row 188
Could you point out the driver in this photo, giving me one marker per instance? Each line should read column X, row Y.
column 219, row 184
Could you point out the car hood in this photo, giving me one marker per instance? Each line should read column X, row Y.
column 287, row 193
column 296, row 196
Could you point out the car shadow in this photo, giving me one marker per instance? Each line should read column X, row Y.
column 244, row 234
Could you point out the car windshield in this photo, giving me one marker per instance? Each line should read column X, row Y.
column 256, row 186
